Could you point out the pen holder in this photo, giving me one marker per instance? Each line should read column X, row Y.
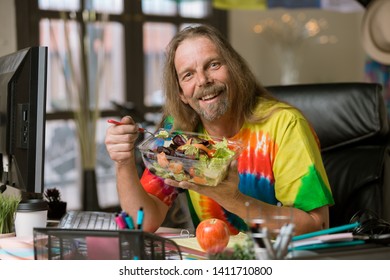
column 75, row 244
column 272, row 235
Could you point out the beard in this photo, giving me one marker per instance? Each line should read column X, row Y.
column 215, row 110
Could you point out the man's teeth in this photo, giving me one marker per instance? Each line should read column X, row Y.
column 210, row 96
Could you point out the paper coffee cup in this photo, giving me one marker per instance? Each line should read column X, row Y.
column 30, row 214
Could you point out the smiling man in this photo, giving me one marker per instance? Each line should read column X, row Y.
column 210, row 89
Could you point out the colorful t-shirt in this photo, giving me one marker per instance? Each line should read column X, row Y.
column 279, row 164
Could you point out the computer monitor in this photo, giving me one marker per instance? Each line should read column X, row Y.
column 23, row 76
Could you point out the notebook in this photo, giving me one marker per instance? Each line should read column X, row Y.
column 96, row 220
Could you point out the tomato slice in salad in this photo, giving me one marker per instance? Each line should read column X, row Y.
column 202, row 147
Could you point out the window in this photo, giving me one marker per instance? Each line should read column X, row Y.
column 125, row 47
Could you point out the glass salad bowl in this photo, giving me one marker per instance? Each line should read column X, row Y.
column 186, row 156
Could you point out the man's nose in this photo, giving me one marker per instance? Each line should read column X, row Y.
column 203, row 79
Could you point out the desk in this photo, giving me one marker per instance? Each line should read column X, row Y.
column 20, row 248
column 15, row 248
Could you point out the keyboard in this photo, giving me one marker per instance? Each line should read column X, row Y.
column 96, row 220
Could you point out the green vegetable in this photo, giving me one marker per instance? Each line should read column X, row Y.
column 245, row 251
column 162, row 134
column 191, row 151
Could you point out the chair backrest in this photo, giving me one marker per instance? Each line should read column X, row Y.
column 341, row 113
column 351, row 122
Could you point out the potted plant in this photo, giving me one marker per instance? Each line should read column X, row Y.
column 8, row 206
column 57, row 207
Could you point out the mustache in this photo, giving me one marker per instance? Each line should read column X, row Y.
column 209, row 89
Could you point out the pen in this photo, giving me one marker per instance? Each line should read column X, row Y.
column 140, row 218
column 120, row 222
column 268, row 245
column 285, row 241
column 129, row 222
column 326, row 231
column 123, row 215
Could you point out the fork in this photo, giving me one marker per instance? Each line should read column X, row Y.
column 140, row 129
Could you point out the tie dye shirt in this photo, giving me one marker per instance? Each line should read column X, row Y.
column 280, row 163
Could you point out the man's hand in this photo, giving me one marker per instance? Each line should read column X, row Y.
column 224, row 193
column 120, row 140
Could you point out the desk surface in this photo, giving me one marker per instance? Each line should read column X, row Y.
column 15, row 248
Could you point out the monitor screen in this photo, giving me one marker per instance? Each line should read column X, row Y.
column 23, row 77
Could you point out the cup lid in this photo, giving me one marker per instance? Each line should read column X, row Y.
column 32, row 205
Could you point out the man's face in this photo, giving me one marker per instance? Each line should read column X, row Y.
column 203, row 78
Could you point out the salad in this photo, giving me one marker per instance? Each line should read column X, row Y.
column 189, row 157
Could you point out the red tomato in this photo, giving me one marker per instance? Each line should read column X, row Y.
column 213, row 235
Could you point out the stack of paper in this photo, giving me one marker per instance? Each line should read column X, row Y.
column 327, row 238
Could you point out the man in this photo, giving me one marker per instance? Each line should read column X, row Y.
column 210, row 89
